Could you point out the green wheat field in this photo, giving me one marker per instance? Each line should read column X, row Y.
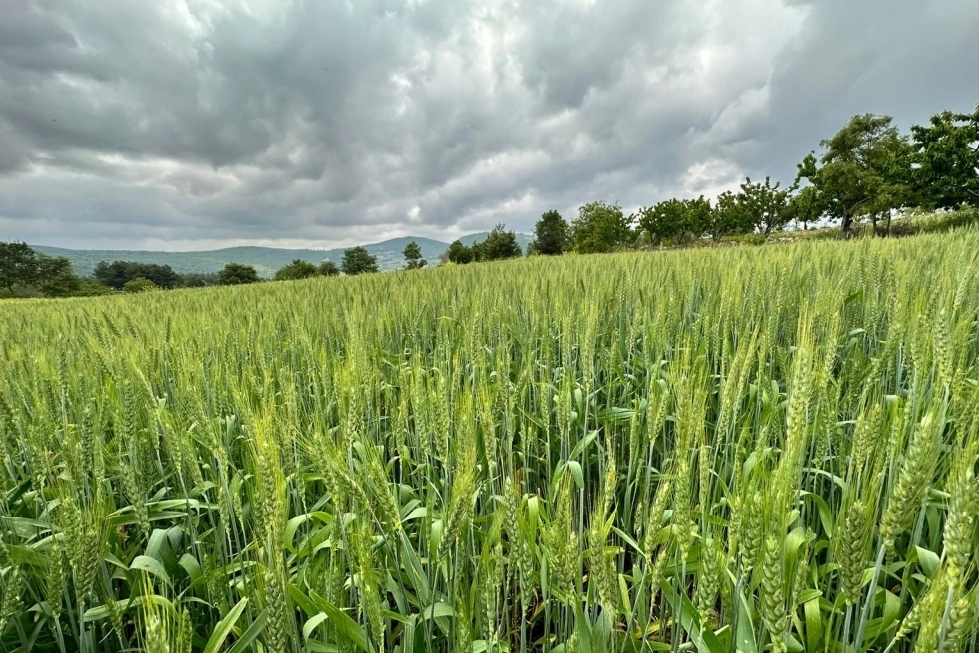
column 754, row 449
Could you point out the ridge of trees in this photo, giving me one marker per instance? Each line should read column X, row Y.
column 25, row 273
column 499, row 245
column 865, row 173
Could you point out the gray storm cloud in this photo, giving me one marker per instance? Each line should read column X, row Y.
column 202, row 123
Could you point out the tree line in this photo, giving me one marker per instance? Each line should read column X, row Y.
column 500, row 244
column 24, row 272
column 865, row 173
column 27, row 273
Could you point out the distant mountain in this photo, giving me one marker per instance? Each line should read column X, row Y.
column 390, row 253
column 265, row 259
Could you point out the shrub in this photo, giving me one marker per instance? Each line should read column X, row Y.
column 139, row 284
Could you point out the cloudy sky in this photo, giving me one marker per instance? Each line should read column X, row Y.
column 194, row 124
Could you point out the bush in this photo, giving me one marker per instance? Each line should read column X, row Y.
column 139, row 284
column 298, row 269
column 946, row 221
column 92, row 288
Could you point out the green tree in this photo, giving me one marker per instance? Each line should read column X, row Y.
column 804, row 207
column 31, row 274
column 413, row 256
column 661, row 220
column 358, row 260
column 56, row 277
column 945, row 158
column 681, row 220
column 298, row 269
column 765, row 206
column 18, row 265
column 896, row 189
column 116, row 274
column 550, row 235
column 199, row 279
column 139, row 284
column 600, row 227
column 696, row 219
column 91, row 288
column 458, row 253
column 329, row 269
column 728, row 216
column 477, row 251
column 499, row 244
column 236, row 274
column 860, row 171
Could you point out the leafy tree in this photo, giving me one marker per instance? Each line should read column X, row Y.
column 896, row 189
column 805, row 207
column 56, row 277
column 358, row 260
column 413, row 256
column 945, row 158
column 728, row 216
column 199, row 279
column 33, row 274
column 161, row 275
column 600, row 227
column 661, row 220
column 18, row 265
column 696, row 219
column 236, row 274
column 477, row 251
column 116, row 274
column 329, row 269
column 764, row 206
column 860, row 171
column 550, row 235
column 681, row 220
column 139, row 284
column 499, row 244
column 298, row 269
column 111, row 275
column 459, row 253
column 91, row 288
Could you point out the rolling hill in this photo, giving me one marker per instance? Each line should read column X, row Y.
column 265, row 259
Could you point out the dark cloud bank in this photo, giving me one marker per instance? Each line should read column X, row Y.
column 202, row 123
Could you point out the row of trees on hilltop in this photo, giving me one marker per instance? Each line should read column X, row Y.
column 866, row 172
column 499, row 245
column 118, row 273
column 26, row 273
column 356, row 260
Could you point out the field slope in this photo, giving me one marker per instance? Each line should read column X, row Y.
column 757, row 449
